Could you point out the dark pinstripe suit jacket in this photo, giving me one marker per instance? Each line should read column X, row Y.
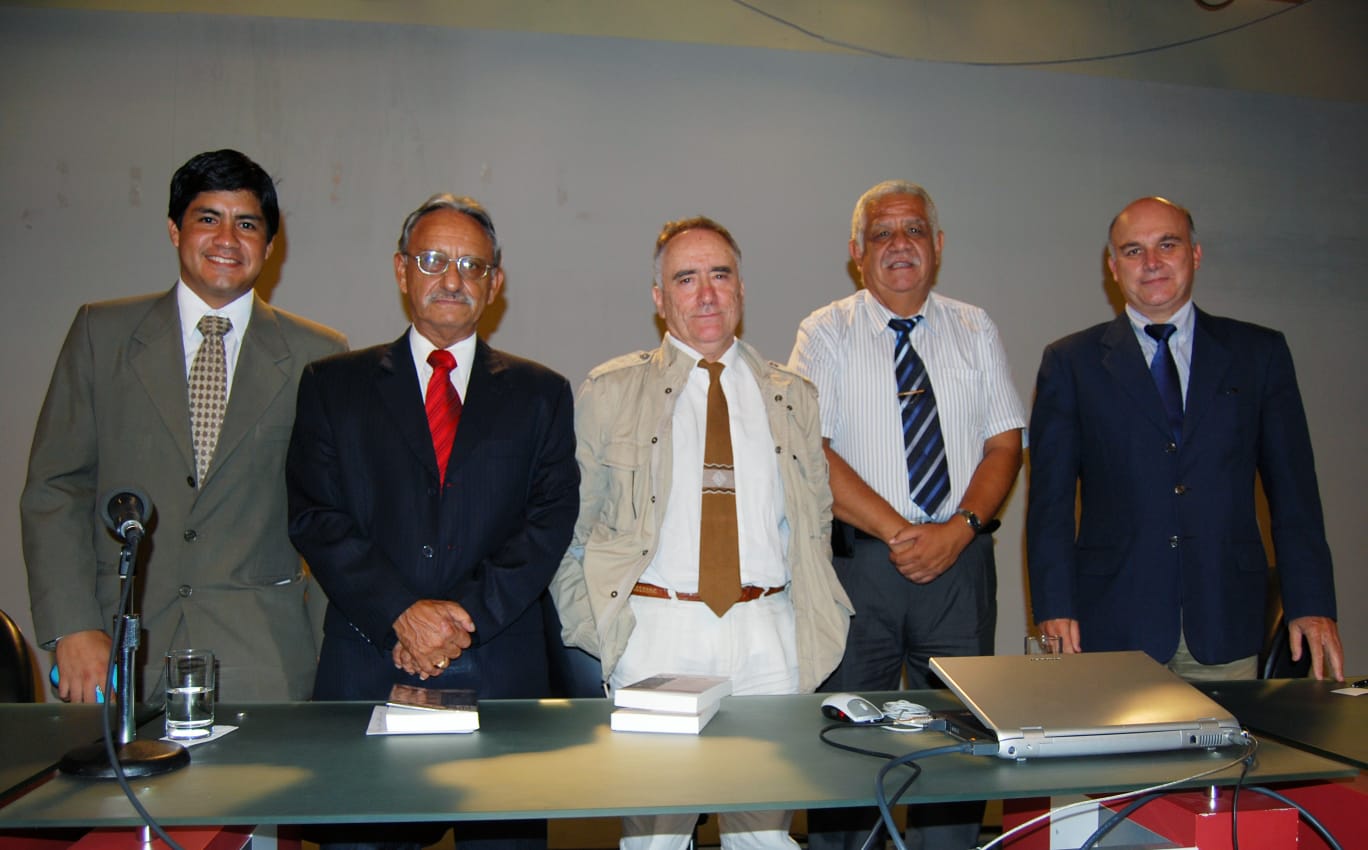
column 379, row 531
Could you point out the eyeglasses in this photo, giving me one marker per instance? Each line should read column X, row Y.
column 436, row 263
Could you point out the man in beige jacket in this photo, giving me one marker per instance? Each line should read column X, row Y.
column 662, row 518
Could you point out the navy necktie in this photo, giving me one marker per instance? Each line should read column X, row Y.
column 928, row 475
column 1165, row 372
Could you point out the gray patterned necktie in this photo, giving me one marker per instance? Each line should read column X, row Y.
column 208, row 391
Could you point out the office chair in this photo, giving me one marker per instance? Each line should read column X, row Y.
column 1275, row 660
column 18, row 677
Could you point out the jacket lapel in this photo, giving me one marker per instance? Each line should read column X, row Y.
column 396, row 381
column 157, row 357
column 1124, row 361
column 483, row 413
column 1211, row 360
column 262, row 373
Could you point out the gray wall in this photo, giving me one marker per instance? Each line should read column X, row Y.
column 582, row 146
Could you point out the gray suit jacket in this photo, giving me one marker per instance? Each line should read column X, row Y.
column 217, row 569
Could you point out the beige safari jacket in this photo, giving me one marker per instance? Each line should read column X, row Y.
column 623, row 417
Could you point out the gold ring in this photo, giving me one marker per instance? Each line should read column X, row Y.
column 442, row 663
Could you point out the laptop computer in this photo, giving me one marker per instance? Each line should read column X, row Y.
column 1090, row 703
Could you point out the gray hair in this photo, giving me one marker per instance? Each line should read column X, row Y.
column 1192, row 228
column 860, row 219
column 671, row 229
column 458, row 204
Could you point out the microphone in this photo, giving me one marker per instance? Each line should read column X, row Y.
column 126, row 509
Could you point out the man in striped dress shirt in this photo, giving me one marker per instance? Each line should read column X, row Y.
column 917, row 559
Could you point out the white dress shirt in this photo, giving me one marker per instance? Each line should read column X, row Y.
column 846, row 349
column 1180, row 343
column 192, row 308
column 463, row 351
column 761, row 526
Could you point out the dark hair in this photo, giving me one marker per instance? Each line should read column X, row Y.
column 223, row 171
column 457, row 204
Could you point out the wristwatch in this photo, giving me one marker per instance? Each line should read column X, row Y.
column 979, row 527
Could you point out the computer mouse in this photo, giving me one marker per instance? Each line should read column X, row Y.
column 851, row 708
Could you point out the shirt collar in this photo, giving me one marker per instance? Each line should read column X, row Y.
column 728, row 357
column 421, row 346
column 192, row 308
column 878, row 315
column 1182, row 321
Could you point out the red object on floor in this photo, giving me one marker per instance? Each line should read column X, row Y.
column 1341, row 807
column 1193, row 819
column 1016, row 812
column 129, row 838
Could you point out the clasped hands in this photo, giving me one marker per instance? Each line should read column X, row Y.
column 921, row 552
column 431, row 632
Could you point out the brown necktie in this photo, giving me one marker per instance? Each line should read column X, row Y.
column 208, row 391
column 719, row 552
column 443, row 405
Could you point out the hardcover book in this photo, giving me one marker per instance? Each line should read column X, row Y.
column 673, row 693
column 417, row 710
column 639, row 720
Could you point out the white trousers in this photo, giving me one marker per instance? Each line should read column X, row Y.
column 754, row 645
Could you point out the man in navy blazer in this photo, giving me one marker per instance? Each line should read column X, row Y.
column 1166, row 555
column 434, row 572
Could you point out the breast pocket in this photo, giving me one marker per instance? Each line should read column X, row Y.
column 959, row 400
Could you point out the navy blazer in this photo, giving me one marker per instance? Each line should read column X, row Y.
column 1168, row 533
column 380, row 532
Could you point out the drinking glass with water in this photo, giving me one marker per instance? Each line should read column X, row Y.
column 190, row 686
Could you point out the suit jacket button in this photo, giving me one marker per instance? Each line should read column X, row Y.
column 613, row 594
column 185, row 590
column 427, row 551
column 1170, row 447
column 191, row 535
column 1173, row 542
column 1179, row 489
column 190, row 480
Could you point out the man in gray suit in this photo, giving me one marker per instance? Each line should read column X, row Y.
column 218, row 571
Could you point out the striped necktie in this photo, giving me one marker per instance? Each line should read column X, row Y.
column 443, row 406
column 928, row 475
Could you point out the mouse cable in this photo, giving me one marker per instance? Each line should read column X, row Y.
column 1251, row 746
column 908, row 760
column 878, row 754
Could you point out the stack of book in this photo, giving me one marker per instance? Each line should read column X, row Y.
column 425, row 711
column 682, row 705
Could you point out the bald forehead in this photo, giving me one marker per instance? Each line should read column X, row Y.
column 1179, row 220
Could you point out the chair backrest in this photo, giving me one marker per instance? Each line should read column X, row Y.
column 18, row 680
column 1275, row 659
column 1275, row 662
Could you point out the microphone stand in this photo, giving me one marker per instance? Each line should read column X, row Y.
column 132, row 757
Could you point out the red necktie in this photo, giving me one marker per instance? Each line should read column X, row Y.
column 443, row 407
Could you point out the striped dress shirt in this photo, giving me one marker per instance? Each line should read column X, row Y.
column 846, row 349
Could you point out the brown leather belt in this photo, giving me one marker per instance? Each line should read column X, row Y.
column 749, row 592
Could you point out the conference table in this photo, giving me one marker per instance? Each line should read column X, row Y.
column 1306, row 713
column 312, row 763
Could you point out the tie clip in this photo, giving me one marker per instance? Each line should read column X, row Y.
column 911, row 392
